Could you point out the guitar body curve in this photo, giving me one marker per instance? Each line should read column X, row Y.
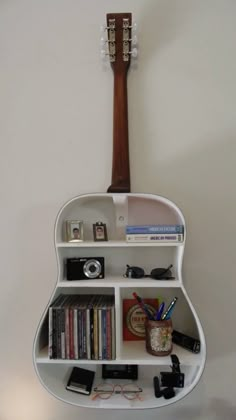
column 116, row 211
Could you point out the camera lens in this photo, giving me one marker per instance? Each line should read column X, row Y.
column 92, row 269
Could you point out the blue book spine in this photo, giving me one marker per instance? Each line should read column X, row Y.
column 154, row 229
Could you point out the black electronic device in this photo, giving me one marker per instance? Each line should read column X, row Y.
column 185, row 341
column 80, row 381
column 85, row 268
column 174, row 379
column 167, row 393
column 120, row 372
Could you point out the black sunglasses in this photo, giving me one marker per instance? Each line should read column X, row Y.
column 157, row 273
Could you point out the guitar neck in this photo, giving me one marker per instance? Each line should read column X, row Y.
column 120, row 160
column 119, row 43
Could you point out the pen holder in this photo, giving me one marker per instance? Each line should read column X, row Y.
column 158, row 337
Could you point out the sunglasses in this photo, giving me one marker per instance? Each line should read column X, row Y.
column 157, row 273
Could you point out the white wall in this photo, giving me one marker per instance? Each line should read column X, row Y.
column 56, row 142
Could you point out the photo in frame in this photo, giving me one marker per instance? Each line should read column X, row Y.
column 100, row 231
column 74, row 231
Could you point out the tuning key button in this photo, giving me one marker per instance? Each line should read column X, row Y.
column 134, row 53
column 134, row 40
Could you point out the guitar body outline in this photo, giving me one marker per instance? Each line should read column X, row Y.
column 122, row 209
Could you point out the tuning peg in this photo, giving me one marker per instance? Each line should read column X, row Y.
column 104, row 54
column 134, row 26
column 134, row 40
column 103, row 28
column 103, row 41
column 134, row 52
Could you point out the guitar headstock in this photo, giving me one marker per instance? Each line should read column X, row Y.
column 119, row 41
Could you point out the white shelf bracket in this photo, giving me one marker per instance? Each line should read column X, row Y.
column 121, row 211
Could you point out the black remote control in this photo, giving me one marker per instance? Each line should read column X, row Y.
column 185, row 341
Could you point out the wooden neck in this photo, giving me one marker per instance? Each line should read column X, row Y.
column 120, row 161
column 119, row 42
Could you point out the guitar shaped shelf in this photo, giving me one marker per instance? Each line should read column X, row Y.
column 117, row 209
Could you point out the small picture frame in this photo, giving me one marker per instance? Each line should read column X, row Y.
column 74, row 231
column 99, row 231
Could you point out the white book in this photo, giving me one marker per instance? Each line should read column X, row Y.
column 152, row 237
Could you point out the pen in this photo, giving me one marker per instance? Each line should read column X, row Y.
column 169, row 309
column 168, row 316
column 159, row 312
column 143, row 306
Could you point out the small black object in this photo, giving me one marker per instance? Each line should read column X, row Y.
column 162, row 273
column 120, row 372
column 134, row 272
column 168, row 393
column 157, row 273
column 174, row 378
column 157, row 389
column 85, row 268
column 185, row 341
column 81, row 381
column 175, row 363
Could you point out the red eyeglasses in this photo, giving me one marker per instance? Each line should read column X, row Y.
column 106, row 390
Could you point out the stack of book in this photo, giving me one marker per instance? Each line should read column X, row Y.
column 82, row 327
column 154, row 233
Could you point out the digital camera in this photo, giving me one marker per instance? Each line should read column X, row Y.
column 85, row 268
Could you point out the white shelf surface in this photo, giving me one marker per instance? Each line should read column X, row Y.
column 58, row 387
column 114, row 244
column 121, row 282
column 133, row 352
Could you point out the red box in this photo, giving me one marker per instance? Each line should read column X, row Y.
column 134, row 318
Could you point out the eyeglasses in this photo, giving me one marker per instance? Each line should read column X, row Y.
column 106, row 390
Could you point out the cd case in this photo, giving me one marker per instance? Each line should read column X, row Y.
column 81, row 381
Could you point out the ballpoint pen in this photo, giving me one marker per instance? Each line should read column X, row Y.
column 143, row 306
column 168, row 316
column 169, row 309
column 159, row 312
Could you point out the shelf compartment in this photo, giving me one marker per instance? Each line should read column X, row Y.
column 182, row 317
column 56, row 376
column 117, row 259
column 132, row 353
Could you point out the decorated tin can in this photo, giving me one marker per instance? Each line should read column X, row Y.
column 158, row 337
